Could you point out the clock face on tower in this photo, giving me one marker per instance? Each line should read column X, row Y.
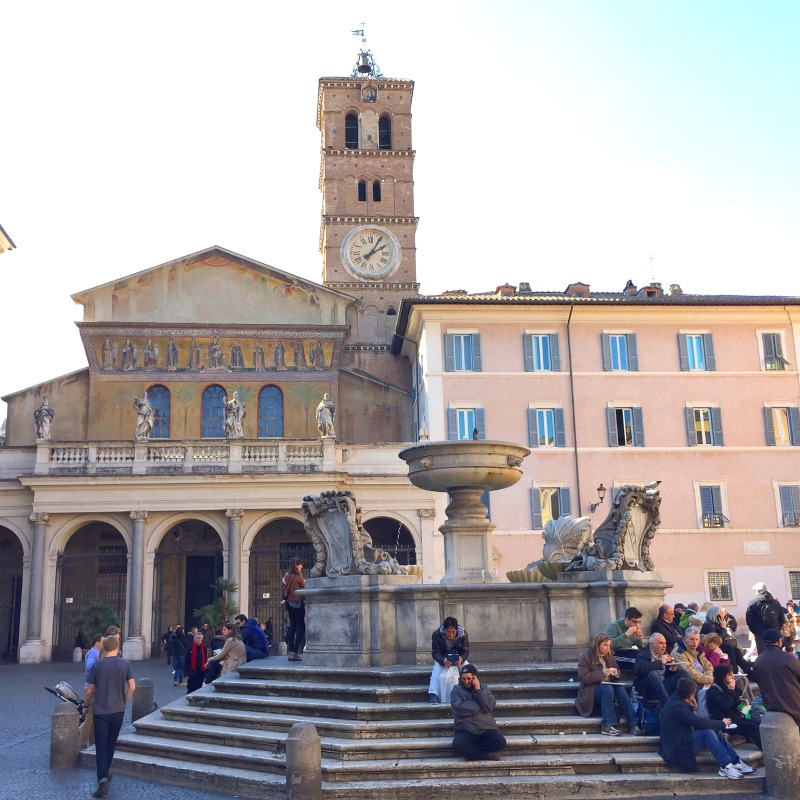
column 371, row 252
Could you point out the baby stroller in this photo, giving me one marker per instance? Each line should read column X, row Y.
column 67, row 694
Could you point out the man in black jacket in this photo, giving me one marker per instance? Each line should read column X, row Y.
column 665, row 625
column 655, row 672
column 778, row 676
column 684, row 734
column 763, row 613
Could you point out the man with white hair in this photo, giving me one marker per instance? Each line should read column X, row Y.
column 655, row 672
column 763, row 613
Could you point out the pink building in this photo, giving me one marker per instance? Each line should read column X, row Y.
column 698, row 391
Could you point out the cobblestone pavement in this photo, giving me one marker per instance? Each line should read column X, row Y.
column 25, row 710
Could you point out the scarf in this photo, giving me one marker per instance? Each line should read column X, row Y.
column 198, row 654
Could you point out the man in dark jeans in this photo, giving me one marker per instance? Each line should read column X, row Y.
column 111, row 686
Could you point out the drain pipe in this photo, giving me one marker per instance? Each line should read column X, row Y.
column 572, row 404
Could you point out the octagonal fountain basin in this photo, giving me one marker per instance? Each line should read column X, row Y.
column 478, row 464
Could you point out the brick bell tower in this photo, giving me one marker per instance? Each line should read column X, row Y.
column 368, row 227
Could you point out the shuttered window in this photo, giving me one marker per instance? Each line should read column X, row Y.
column 696, row 351
column 620, row 352
column 546, row 427
column 782, row 426
column 704, row 427
column 549, row 503
column 625, row 427
column 542, row 352
column 462, row 352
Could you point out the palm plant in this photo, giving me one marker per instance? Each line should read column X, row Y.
column 226, row 587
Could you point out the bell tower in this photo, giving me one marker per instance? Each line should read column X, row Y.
column 368, row 227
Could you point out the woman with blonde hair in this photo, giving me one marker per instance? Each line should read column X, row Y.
column 597, row 672
column 232, row 655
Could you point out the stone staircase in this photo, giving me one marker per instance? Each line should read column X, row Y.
column 380, row 737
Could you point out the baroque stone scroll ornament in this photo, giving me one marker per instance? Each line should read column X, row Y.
column 341, row 545
column 623, row 540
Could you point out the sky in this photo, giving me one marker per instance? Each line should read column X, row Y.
column 556, row 141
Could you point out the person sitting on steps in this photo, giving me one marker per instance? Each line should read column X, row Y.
column 477, row 737
column 446, row 641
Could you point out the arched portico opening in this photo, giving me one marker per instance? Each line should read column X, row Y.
column 394, row 537
column 275, row 548
column 10, row 593
column 93, row 567
column 187, row 562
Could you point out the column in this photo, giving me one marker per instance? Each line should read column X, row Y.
column 234, row 516
column 134, row 645
column 32, row 649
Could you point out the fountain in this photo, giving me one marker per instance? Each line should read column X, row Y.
column 465, row 469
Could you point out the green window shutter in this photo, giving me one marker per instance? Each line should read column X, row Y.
column 555, row 353
column 561, row 436
column 536, row 508
column 633, row 353
column 638, row 427
column 449, row 353
column 606, row 344
column 564, row 501
column 691, row 433
column 527, row 349
column 611, row 424
column 533, row 428
column 480, row 422
column 770, row 427
column 683, row 351
column 452, row 423
column 794, row 425
column 708, row 346
column 716, row 426
column 476, row 352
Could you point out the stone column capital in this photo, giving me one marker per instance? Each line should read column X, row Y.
column 426, row 513
column 234, row 513
column 40, row 518
column 139, row 516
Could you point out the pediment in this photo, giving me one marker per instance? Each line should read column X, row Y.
column 213, row 287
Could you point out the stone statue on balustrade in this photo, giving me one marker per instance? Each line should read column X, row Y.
column 42, row 420
column 234, row 414
column 146, row 418
column 621, row 542
column 325, row 412
column 341, row 545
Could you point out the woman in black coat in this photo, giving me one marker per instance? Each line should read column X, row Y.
column 723, row 701
column 718, row 621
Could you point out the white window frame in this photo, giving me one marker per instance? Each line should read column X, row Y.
column 537, row 348
column 459, row 352
column 547, row 414
column 707, row 587
column 696, row 352
column 615, row 354
column 706, row 434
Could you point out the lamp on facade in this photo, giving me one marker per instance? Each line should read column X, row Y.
column 601, row 494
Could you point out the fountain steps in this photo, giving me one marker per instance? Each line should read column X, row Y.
column 234, row 743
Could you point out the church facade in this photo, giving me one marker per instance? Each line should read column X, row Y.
column 218, row 392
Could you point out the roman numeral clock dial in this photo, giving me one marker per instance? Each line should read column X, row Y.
column 370, row 252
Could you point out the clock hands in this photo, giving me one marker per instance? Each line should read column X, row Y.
column 375, row 248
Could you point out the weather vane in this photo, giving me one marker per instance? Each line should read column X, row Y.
column 366, row 66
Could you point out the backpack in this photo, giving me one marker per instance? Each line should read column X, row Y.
column 648, row 717
column 702, row 703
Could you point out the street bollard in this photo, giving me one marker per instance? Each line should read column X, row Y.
column 142, row 703
column 780, row 743
column 303, row 763
column 64, row 746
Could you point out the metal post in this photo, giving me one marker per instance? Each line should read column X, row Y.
column 303, row 763
column 64, row 744
column 142, row 702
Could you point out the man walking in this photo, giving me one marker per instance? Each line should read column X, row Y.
column 477, row 736
column 111, row 686
column 778, row 676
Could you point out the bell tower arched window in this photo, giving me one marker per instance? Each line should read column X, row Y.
column 158, row 396
column 351, row 131
column 362, row 191
column 376, row 191
column 270, row 412
column 214, row 413
column 384, row 133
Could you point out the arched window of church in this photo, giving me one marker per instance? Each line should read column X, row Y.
column 270, row 412
column 376, row 191
column 362, row 191
column 385, row 133
column 214, row 413
column 158, row 397
column 391, row 311
column 351, row 131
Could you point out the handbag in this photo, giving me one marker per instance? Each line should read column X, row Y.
column 447, row 680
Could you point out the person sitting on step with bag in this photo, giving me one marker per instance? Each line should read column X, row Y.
column 450, row 649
